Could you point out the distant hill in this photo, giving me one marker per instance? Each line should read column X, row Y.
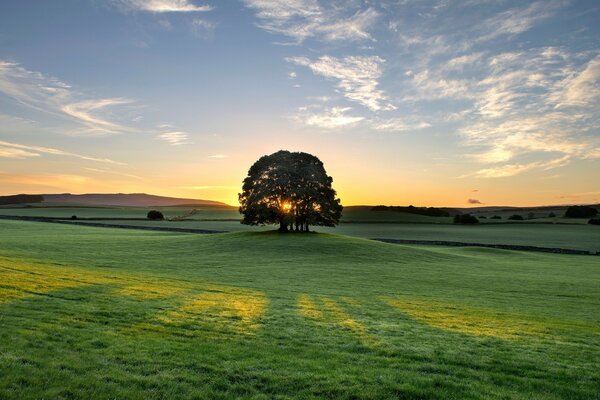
column 126, row 199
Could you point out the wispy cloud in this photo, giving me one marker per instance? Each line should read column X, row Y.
column 218, row 156
column 517, row 20
column 165, row 6
column 357, row 77
column 174, row 138
column 202, row 28
column 117, row 173
column 16, row 150
column 400, row 125
column 51, row 96
column 303, row 19
column 474, row 201
column 85, row 111
column 334, row 117
column 208, row 187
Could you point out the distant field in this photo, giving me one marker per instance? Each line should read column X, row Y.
column 114, row 313
column 578, row 237
column 357, row 222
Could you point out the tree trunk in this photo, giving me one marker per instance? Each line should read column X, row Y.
column 282, row 226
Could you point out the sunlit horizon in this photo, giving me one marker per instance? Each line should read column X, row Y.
column 425, row 103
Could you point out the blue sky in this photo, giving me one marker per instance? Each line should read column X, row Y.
column 423, row 102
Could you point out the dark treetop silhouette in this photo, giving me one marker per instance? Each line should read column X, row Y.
column 289, row 189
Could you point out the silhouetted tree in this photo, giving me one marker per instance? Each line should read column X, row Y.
column 580, row 212
column 516, row 217
column 155, row 215
column 496, row 217
column 551, row 215
column 594, row 221
column 289, row 189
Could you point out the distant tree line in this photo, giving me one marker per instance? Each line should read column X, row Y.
column 428, row 211
column 581, row 212
column 466, row 219
column 21, row 199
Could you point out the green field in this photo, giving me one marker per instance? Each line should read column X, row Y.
column 563, row 233
column 115, row 313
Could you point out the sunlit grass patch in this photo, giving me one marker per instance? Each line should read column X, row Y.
column 308, row 308
column 151, row 290
column 238, row 311
column 22, row 279
column 341, row 317
column 467, row 319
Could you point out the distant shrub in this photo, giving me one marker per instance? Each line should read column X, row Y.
column 594, row 221
column 155, row 215
column 516, row 217
column 496, row 217
column 551, row 215
column 483, row 217
column 580, row 212
column 73, row 216
column 465, row 219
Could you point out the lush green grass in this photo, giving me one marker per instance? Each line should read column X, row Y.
column 579, row 237
column 103, row 313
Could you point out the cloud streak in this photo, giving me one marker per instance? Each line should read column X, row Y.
column 357, row 77
column 303, row 19
column 165, row 6
column 174, row 138
column 16, row 150
column 51, row 96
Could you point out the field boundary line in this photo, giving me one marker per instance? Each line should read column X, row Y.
column 555, row 250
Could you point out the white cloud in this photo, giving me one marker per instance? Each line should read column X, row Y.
column 400, row 125
column 165, row 6
column 581, row 89
column 335, row 117
column 357, row 77
column 218, row 156
column 51, row 96
column 515, row 21
column 16, row 150
column 84, row 111
column 515, row 169
column 202, row 28
column 302, row 19
column 174, row 138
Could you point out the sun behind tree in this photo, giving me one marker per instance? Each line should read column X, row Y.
column 289, row 189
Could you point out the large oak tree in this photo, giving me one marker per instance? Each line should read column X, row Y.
column 289, row 189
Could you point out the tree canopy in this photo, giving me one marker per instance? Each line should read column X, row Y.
column 289, row 189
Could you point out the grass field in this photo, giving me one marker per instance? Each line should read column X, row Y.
column 114, row 313
column 358, row 221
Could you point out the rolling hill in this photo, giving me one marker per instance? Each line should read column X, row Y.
column 126, row 199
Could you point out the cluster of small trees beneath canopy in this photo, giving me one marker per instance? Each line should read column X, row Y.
column 289, row 189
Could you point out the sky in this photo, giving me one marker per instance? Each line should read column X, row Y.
column 430, row 103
